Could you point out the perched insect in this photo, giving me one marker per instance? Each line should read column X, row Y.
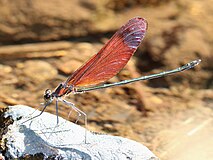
column 104, row 65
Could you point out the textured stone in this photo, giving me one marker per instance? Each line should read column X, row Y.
column 67, row 140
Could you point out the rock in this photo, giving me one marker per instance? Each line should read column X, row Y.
column 69, row 66
column 41, row 20
column 37, row 138
column 39, row 71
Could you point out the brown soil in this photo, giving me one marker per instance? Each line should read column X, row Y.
column 173, row 116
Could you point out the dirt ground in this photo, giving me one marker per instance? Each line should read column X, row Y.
column 172, row 116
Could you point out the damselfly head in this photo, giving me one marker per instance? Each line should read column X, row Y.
column 48, row 97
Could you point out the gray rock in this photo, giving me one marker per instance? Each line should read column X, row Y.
column 66, row 140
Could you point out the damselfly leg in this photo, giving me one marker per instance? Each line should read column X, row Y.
column 44, row 107
column 79, row 114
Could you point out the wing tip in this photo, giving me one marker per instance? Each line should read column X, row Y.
column 139, row 19
column 133, row 32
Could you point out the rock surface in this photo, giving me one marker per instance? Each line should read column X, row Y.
column 41, row 137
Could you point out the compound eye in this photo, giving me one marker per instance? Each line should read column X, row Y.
column 48, row 91
column 47, row 94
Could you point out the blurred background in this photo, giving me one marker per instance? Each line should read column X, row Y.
column 42, row 42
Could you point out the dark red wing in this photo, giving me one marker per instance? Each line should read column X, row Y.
column 112, row 57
